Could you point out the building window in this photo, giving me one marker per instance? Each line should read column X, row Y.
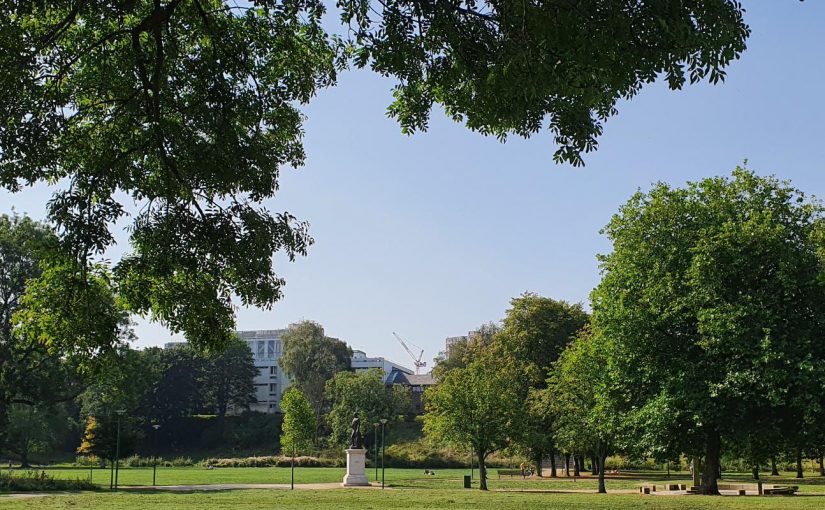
column 261, row 346
column 278, row 346
column 273, row 388
column 273, row 371
column 270, row 349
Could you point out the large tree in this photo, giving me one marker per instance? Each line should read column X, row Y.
column 34, row 429
column 477, row 406
column 310, row 359
column 535, row 331
column 190, row 108
column 588, row 413
column 713, row 295
column 41, row 349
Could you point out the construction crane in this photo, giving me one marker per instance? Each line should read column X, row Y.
column 416, row 361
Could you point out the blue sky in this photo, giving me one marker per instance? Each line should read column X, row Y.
column 432, row 235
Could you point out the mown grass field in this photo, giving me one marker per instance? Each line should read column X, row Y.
column 402, row 478
column 406, row 499
column 408, row 489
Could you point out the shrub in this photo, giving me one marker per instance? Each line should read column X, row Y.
column 182, row 462
column 87, row 460
column 30, row 481
column 273, row 461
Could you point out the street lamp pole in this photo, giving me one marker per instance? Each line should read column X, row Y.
column 375, row 447
column 383, row 449
column 117, row 446
column 156, row 426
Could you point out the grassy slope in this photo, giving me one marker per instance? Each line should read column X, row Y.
column 403, row 499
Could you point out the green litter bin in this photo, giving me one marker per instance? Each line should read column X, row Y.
column 467, row 482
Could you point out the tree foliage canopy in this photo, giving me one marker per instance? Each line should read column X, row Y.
column 509, row 66
column 478, row 406
column 190, row 109
column 714, row 297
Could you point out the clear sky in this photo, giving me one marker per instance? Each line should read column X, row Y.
column 432, row 235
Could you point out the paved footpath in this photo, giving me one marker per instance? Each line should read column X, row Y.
column 232, row 486
column 197, row 488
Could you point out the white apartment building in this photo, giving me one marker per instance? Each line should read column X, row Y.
column 270, row 382
column 360, row 361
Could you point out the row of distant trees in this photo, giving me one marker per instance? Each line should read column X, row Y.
column 67, row 368
column 706, row 336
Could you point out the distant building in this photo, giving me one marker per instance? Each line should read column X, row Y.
column 415, row 384
column 360, row 362
column 270, row 381
column 452, row 341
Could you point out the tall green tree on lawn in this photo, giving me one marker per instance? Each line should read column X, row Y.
column 588, row 413
column 477, row 406
column 713, row 296
column 299, row 425
column 536, row 331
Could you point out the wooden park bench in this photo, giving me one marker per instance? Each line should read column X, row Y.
column 780, row 490
column 647, row 489
column 509, row 472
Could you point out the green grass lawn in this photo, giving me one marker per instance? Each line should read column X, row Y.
column 400, row 478
column 406, row 499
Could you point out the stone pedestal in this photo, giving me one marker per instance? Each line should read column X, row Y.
column 356, row 468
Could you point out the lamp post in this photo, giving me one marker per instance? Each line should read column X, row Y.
column 120, row 413
column 383, row 448
column 375, row 447
column 91, row 464
column 155, row 426
column 471, row 462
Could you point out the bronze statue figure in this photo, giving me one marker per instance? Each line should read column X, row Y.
column 355, row 438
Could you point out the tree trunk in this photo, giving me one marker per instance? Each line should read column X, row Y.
column 774, row 471
column 553, row 464
column 24, row 458
column 482, row 470
column 602, row 458
column 567, row 465
column 594, row 465
column 799, row 473
column 755, row 470
column 538, row 460
column 576, row 466
column 711, row 467
column 821, row 464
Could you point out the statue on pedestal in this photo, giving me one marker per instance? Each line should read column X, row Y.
column 356, row 441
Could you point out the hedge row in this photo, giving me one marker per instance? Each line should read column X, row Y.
column 274, row 461
column 32, row 481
